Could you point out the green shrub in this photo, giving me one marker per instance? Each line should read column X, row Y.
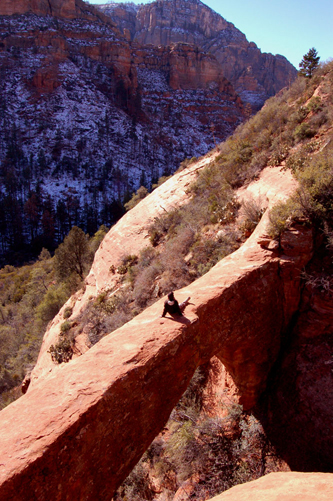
column 96, row 240
column 53, row 300
column 67, row 312
column 253, row 210
column 223, row 207
column 303, row 131
column 279, row 151
column 281, row 215
column 65, row 326
column 108, row 303
column 61, row 351
column 146, row 256
column 315, row 104
column 164, row 225
column 141, row 193
column 318, row 120
column 296, row 161
column 298, row 116
column 127, row 262
column 205, row 254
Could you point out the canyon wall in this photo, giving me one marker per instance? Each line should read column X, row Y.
column 132, row 378
column 94, row 116
column 299, row 404
column 65, row 9
column 61, row 8
column 255, row 75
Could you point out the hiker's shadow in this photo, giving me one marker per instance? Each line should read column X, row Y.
column 180, row 319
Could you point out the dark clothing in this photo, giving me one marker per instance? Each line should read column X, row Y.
column 172, row 309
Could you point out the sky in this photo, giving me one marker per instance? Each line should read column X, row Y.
column 286, row 27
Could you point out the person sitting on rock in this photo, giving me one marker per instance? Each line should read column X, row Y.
column 172, row 306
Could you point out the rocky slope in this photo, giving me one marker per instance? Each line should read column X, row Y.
column 248, row 310
column 86, row 116
column 130, row 235
column 142, row 358
column 255, row 75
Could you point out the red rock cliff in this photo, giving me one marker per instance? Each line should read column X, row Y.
column 67, row 9
column 147, row 108
column 64, row 8
column 255, row 75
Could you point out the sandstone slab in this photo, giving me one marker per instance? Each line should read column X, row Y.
column 291, row 486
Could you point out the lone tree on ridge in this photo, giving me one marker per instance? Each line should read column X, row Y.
column 309, row 63
column 72, row 256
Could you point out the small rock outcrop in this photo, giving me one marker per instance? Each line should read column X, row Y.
column 291, row 486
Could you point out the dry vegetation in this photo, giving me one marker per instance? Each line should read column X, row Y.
column 201, row 455
column 293, row 130
column 30, row 296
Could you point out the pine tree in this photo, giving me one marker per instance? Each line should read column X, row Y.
column 309, row 63
column 72, row 256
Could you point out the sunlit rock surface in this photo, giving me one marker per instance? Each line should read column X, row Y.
column 105, row 407
column 291, row 486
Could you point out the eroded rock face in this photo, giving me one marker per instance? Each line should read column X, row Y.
column 58, row 8
column 65, row 9
column 105, row 407
column 300, row 407
column 291, row 486
column 255, row 75
column 97, row 116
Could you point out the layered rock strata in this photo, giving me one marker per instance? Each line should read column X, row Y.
column 131, row 379
column 66, row 9
column 255, row 75
column 62, row 8
column 94, row 116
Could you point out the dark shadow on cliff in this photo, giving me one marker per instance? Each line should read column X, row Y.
column 296, row 410
column 179, row 319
